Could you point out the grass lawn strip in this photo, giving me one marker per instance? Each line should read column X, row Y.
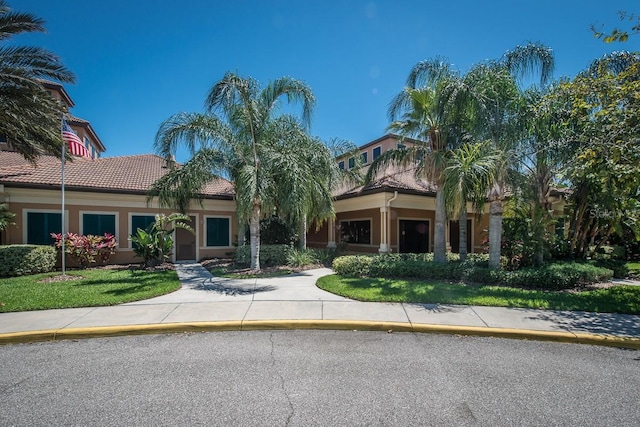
column 615, row 299
column 96, row 287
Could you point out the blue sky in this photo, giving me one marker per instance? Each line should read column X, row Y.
column 139, row 61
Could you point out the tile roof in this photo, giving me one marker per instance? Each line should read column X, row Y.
column 125, row 174
column 391, row 179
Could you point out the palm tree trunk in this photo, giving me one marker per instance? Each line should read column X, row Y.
column 241, row 236
column 495, row 233
column 439, row 238
column 462, row 223
column 302, row 242
column 254, row 231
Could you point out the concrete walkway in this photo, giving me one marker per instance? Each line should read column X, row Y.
column 210, row 303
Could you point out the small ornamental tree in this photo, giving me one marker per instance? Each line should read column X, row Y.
column 86, row 250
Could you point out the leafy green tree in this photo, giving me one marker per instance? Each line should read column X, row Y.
column 466, row 178
column 617, row 34
column 498, row 103
column 29, row 117
column 427, row 110
column 601, row 134
column 6, row 217
column 243, row 138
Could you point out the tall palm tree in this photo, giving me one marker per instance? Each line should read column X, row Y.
column 466, row 178
column 498, row 104
column 240, row 137
column 29, row 118
column 428, row 109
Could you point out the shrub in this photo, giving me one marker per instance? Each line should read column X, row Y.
column 85, row 249
column 270, row 255
column 20, row 260
column 154, row 244
column 352, row 265
column 550, row 277
column 556, row 276
column 302, row 257
column 618, row 266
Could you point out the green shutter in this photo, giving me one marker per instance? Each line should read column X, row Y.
column 217, row 231
column 40, row 225
column 98, row 224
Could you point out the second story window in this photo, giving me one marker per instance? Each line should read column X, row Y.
column 376, row 152
column 364, row 157
column 341, row 165
column 352, row 162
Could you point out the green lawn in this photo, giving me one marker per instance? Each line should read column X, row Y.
column 96, row 288
column 617, row 299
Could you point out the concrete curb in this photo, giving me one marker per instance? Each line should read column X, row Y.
column 249, row 325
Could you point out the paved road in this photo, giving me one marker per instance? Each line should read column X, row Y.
column 328, row 378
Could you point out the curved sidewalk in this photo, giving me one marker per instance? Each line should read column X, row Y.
column 206, row 303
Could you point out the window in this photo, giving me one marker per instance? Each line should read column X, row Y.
column 376, row 152
column 218, row 231
column 401, row 146
column 40, row 225
column 87, row 144
column 141, row 222
column 98, row 224
column 364, row 157
column 356, row 232
column 352, row 162
column 341, row 165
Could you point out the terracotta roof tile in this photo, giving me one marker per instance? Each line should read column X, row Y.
column 115, row 174
column 391, row 179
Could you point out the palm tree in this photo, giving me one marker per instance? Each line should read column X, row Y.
column 240, row 137
column 468, row 175
column 29, row 118
column 306, row 187
column 429, row 110
column 498, row 104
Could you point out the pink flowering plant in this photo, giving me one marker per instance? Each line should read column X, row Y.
column 86, row 250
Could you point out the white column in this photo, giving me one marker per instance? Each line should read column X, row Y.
column 384, row 247
column 331, row 233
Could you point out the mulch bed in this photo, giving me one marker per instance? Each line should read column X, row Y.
column 231, row 267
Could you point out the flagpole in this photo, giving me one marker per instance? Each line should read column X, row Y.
column 62, row 216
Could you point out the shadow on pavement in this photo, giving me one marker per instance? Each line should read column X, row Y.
column 597, row 323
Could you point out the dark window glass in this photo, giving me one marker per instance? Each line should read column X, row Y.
column 341, row 165
column 356, row 232
column 217, row 231
column 364, row 157
column 376, row 152
column 352, row 162
column 40, row 225
column 98, row 224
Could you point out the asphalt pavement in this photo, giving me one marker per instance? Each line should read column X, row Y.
column 206, row 303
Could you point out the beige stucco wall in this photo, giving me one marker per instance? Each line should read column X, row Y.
column 21, row 201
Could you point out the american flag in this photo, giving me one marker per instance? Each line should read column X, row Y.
column 76, row 147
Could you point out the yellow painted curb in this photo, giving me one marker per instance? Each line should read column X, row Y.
column 249, row 325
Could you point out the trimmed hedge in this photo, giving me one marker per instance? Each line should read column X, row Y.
column 22, row 260
column 270, row 255
column 551, row 277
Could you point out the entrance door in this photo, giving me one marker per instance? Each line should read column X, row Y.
column 186, row 243
column 454, row 236
column 414, row 236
